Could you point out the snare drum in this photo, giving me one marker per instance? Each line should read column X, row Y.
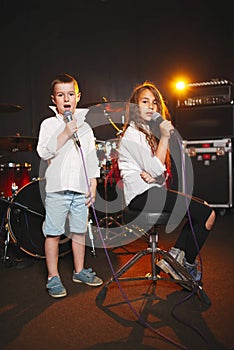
column 25, row 218
column 13, row 175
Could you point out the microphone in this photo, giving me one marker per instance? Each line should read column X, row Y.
column 67, row 115
column 158, row 119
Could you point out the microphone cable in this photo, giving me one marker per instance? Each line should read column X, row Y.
column 186, row 196
column 138, row 316
column 134, row 311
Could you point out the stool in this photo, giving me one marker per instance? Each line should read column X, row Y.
column 150, row 222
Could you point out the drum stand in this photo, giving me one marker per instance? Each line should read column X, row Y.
column 108, row 220
column 5, row 258
column 6, row 237
column 90, row 232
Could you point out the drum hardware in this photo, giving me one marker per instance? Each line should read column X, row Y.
column 107, row 109
column 14, row 189
column 12, row 177
column 119, row 131
column 100, row 103
column 6, row 108
column 18, row 143
column 90, row 232
column 106, row 148
column 110, row 164
column 19, row 206
column 107, row 155
column 24, row 220
column 5, row 239
column 105, row 118
column 112, row 176
column 108, row 221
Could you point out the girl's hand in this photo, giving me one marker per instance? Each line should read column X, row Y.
column 147, row 177
column 71, row 128
column 166, row 128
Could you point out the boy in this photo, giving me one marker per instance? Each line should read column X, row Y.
column 70, row 189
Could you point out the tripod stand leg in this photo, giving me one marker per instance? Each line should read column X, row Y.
column 6, row 244
column 6, row 248
column 93, row 252
column 153, row 239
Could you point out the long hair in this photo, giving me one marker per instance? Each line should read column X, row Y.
column 133, row 114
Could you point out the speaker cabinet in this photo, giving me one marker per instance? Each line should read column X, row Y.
column 212, row 170
column 205, row 122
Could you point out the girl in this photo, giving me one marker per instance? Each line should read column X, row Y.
column 144, row 162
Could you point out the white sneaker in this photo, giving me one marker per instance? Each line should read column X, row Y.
column 178, row 255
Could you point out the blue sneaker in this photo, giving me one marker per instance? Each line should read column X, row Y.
column 193, row 271
column 88, row 277
column 55, row 287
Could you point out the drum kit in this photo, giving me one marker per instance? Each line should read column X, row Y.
column 21, row 198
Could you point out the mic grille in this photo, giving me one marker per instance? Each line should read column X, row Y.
column 67, row 116
column 155, row 116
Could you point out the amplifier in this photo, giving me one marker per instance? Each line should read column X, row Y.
column 202, row 122
column 216, row 91
column 211, row 162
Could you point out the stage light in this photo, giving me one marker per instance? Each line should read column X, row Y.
column 180, row 85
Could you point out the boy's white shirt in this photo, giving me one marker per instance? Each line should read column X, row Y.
column 66, row 170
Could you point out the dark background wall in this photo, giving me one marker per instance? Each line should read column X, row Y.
column 109, row 46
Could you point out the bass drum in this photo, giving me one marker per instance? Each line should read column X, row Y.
column 26, row 215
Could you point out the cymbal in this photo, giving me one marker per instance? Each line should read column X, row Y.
column 106, row 132
column 18, row 143
column 6, row 108
column 97, row 103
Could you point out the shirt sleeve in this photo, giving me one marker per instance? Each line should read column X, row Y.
column 47, row 140
column 136, row 151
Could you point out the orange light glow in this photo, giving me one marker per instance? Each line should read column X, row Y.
column 180, row 85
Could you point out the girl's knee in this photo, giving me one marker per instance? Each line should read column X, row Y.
column 211, row 220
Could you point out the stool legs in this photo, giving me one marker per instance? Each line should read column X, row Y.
column 153, row 241
column 186, row 280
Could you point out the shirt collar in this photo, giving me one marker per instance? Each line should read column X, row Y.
column 79, row 114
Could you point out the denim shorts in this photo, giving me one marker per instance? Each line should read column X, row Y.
column 65, row 210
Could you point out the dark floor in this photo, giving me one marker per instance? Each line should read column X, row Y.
column 133, row 315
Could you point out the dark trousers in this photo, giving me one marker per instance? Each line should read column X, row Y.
column 194, row 232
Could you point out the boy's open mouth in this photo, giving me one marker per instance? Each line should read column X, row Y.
column 67, row 106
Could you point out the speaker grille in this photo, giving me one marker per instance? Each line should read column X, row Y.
column 205, row 122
